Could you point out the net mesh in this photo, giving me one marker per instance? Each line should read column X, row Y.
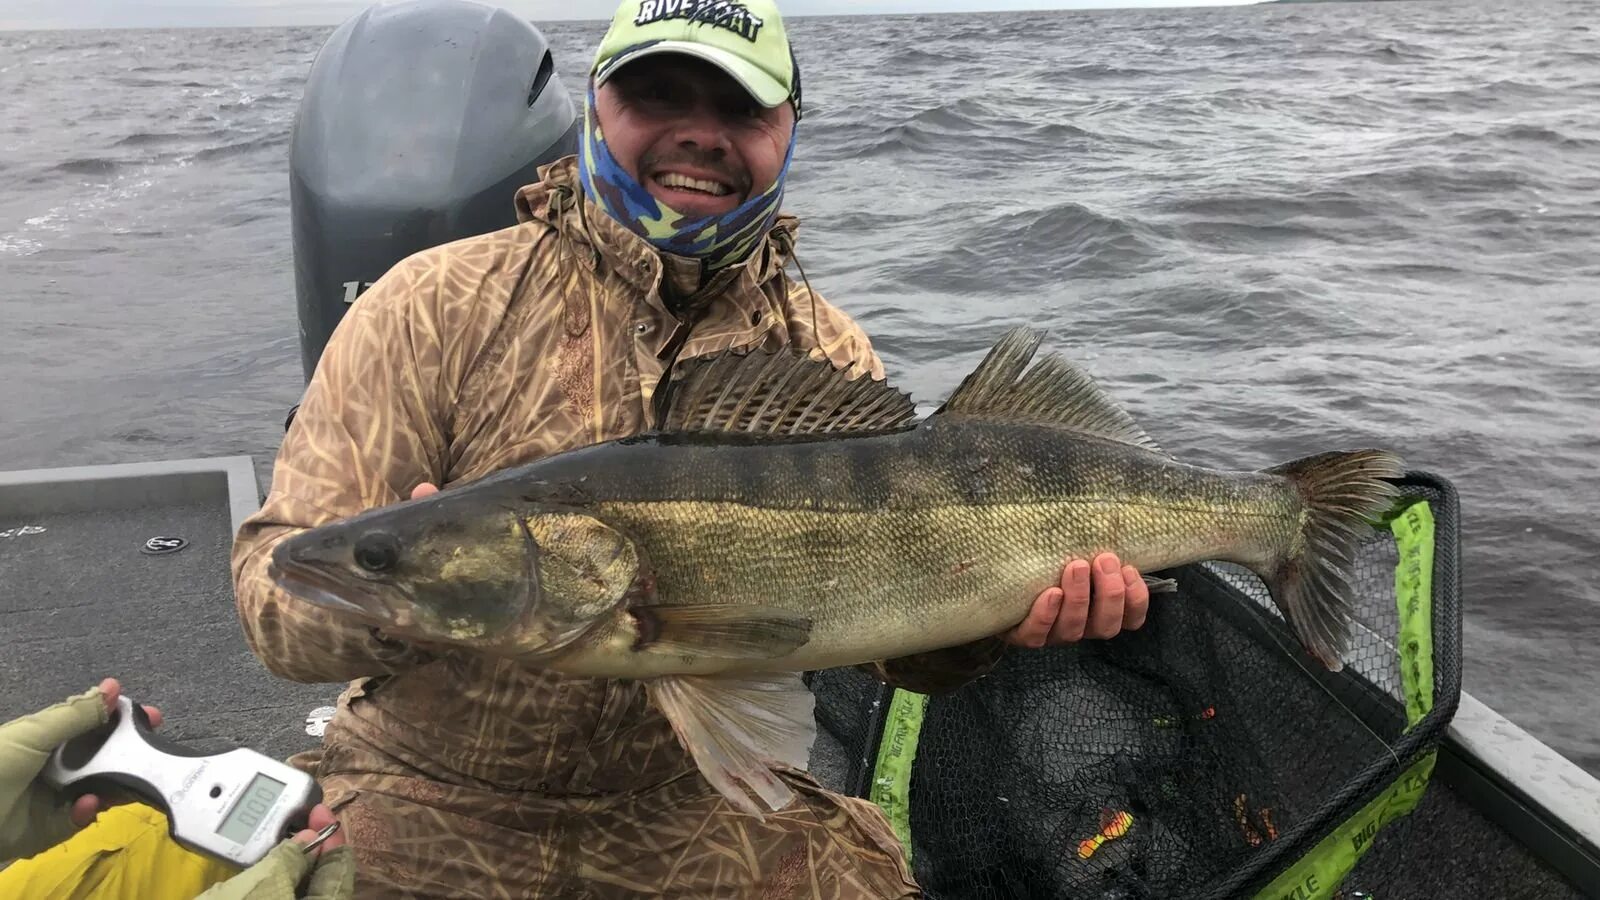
column 1196, row 757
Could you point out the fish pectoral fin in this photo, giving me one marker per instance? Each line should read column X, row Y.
column 1053, row 393
column 720, row 630
column 738, row 727
column 940, row 671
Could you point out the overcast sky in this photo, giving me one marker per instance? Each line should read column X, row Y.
column 16, row 14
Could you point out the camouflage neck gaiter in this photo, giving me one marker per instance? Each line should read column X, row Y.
column 717, row 241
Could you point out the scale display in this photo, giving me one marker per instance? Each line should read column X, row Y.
column 247, row 814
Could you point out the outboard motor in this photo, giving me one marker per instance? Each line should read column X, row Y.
column 420, row 121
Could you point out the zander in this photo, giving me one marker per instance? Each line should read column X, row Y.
column 785, row 518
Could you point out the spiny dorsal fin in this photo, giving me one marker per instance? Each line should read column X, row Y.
column 1054, row 392
column 780, row 393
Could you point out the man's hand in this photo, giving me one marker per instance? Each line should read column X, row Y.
column 33, row 817
column 423, row 490
column 1066, row 615
column 87, row 807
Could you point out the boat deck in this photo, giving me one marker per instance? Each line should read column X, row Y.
column 80, row 600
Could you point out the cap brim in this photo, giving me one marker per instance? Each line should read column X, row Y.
column 768, row 91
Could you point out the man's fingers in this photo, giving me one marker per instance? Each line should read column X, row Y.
column 322, row 817
column 110, row 689
column 1105, row 618
column 423, row 490
column 1074, row 615
column 84, row 810
column 1138, row 599
column 1035, row 629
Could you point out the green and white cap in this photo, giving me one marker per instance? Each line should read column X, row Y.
column 744, row 38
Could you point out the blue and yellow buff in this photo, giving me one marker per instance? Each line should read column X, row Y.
column 718, row 241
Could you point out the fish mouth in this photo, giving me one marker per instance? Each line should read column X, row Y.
column 316, row 587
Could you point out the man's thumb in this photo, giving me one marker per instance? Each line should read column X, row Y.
column 35, row 736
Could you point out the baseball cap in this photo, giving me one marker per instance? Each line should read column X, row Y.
column 744, row 38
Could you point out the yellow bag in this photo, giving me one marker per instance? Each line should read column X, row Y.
column 126, row 853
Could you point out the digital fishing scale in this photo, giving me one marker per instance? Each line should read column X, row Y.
column 235, row 806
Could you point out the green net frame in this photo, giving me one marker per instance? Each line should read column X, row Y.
column 1205, row 756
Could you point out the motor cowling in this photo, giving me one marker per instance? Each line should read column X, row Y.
column 419, row 122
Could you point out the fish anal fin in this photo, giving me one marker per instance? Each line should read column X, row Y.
column 780, row 393
column 720, row 630
column 1054, row 392
column 737, row 728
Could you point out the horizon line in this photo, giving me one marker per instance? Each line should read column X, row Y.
column 1176, row 4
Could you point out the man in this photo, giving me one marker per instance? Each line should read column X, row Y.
column 662, row 241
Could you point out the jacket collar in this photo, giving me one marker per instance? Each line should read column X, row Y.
column 557, row 199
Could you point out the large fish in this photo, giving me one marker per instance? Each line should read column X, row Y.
column 786, row 518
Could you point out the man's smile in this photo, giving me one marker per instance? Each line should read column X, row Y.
column 681, row 181
column 695, row 190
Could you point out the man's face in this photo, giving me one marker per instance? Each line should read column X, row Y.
column 692, row 135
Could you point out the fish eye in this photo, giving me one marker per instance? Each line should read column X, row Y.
column 377, row 552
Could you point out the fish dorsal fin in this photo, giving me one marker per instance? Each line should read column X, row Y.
column 1054, row 392
column 782, row 392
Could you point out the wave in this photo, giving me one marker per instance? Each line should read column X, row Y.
column 1323, row 204
column 928, row 130
column 88, row 165
column 1434, row 180
column 140, row 81
column 956, row 117
column 239, row 148
column 969, row 125
column 149, row 138
column 1092, row 71
column 936, row 59
column 1486, row 95
column 1041, row 247
column 1221, row 38
column 17, row 245
column 1537, row 134
column 138, row 435
column 175, row 66
column 1396, row 49
column 248, row 100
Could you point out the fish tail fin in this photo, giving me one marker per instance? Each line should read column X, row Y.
column 1342, row 493
column 738, row 727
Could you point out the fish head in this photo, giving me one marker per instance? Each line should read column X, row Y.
column 524, row 581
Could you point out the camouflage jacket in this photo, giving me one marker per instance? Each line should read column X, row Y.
column 468, row 358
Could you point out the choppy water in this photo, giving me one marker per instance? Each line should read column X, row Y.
column 1269, row 229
